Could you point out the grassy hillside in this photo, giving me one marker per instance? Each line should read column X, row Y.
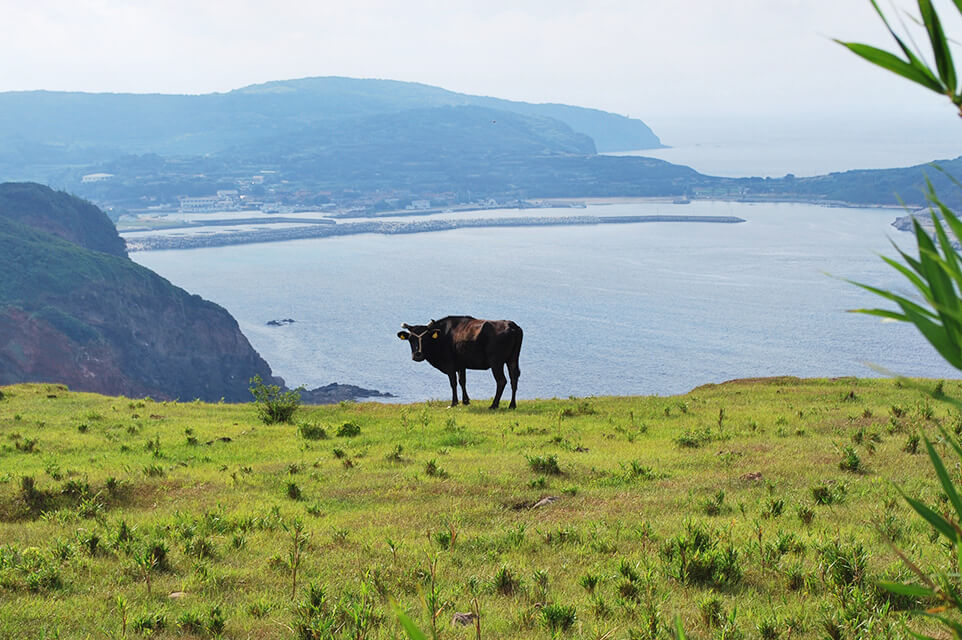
column 749, row 509
column 60, row 214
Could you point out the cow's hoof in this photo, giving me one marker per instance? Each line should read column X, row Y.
column 466, row 402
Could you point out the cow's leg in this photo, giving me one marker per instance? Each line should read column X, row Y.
column 453, row 379
column 498, row 371
column 515, row 372
column 464, row 387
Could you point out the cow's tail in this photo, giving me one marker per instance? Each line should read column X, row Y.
column 514, row 369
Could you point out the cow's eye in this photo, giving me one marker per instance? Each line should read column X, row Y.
column 434, row 335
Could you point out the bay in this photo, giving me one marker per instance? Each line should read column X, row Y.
column 655, row 308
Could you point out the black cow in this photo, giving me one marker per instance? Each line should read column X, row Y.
column 457, row 343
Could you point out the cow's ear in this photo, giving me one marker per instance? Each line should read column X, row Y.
column 435, row 335
column 403, row 335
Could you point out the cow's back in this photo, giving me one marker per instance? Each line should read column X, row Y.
column 481, row 344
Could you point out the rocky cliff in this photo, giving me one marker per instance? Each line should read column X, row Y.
column 74, row 309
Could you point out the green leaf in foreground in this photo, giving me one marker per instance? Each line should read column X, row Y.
column 410, row 628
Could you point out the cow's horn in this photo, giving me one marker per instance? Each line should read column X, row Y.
column 405, row 325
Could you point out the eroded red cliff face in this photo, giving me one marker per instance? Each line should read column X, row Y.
column 96, row 321
column 33, row 349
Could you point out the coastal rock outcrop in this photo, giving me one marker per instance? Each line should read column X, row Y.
column 335, row 392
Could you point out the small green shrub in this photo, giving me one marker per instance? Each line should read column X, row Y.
column 589, row 581
column 828, row 493
column 154, row 471
column 199, row 547
column 629, row 591
column 432, row 468
column 26, row 445
column 769, row 628
column 582, row 408
column 692, row 439
column 505, row 582
column 293, row 491
column 310, row 431
column 191, row 622
column 925, row 410
column 274, row 405
column 558, row 617
column 44, row 578
column 628, row 571
column 634, row 470
column 148, row 623
column 259, row 608
column 850, row 460
column 912, row 444
column 844, row 565
column 714, row 505
column 444, row 538
column 794, row 577
column 712, row 610
column 695, row 557
column 348, row 430
column 395, row 456
column 600, row 608
column 773, row 508
column 216, row 622
column 547, row 465
column 34, row 497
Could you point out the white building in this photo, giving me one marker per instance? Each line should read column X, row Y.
column 200, row 205
column 96, row 177
column 419, row 204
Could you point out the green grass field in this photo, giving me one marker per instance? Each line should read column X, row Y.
column 754, row 509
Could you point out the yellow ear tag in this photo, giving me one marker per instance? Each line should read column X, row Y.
column 434, row 335
column 402, row 336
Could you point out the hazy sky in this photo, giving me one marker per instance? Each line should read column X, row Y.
column 665, row 61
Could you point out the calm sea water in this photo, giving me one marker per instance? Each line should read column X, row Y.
column 609, row 309
column 775, row 146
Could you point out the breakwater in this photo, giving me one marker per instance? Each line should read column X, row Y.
column 161, row 242
column 230, row 222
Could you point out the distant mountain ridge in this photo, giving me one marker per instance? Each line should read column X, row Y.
column 367, row 146
column 35, row 123
column 610, row 132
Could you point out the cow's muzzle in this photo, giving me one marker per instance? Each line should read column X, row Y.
column 417, row 357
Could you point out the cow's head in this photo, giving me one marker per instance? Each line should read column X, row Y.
column 421, row 337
